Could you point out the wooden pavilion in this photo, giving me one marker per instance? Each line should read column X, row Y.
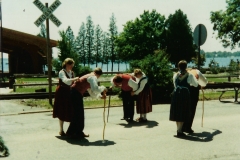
column 26, row 53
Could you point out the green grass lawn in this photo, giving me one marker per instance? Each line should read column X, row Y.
column 233, row 79
column 31, row 89
column 19, row 80
column 215, row 95
column 88, row 102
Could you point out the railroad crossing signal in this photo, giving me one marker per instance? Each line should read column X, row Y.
column 47, row 13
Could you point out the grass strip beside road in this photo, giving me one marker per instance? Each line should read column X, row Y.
column 115, row 101
column 88, row 102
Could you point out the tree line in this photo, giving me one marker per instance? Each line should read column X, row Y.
column 220, row 54
column 92, row 45
column 148, row 33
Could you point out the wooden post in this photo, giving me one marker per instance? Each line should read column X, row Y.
column 199, row 43
column 49, row 61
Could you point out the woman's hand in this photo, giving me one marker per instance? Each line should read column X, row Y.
column 132, row 93
column 104, row 96
column 75, row 79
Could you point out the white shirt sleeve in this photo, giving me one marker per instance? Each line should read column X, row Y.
column 133, row 84
column 63, row 77
column 142, row 85
column 192, row 80
column 95, row 90
column 202, row 80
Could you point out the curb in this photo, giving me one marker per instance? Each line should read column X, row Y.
column 50, row 110
column 29, row 112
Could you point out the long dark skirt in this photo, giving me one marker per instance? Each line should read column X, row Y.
column 180, row 105
column 144, row 101
column 77, row 125
column 194, row 91
column 62, row 107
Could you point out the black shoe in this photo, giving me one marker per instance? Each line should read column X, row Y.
column 181, row 134
column 124, row 119
column 130, row 120
column 189, row 131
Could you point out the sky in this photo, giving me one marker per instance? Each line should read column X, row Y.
column 21, row 15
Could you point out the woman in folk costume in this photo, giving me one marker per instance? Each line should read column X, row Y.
column 181, row 100
column 62, row 108
column 85, row 83
column 144, row 98
column 123, row 81
column 187, row 126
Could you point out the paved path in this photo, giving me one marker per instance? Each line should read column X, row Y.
column 5, row 90
column 35, row 136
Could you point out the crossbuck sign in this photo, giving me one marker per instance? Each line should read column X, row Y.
column 47, row 12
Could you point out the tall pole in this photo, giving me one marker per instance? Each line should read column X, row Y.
column 1, row 38
column 49, row 60
column 199, row 42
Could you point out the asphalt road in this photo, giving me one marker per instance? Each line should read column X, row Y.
column 35, row 136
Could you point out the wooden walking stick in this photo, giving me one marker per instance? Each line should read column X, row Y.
column 108, row 106
column 103, row 141
column 202, row 106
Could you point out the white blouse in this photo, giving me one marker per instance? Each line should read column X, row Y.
column 202, row 80
column 134, row 84
column 64, row 78
column 94, row 90
column 192, row 80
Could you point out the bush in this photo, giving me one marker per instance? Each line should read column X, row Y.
column 222, row 69
column 159, row 74
column 233, row 67
column 203, row 70
column 214, row 70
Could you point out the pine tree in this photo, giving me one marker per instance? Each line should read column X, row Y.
column 105, row 49
column 70, row 36
column 89, row 40
column 98, row 44
column 112, row 36
column 81, row 44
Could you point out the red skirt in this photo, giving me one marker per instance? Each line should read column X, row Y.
column 63, row 108
column 144, row 101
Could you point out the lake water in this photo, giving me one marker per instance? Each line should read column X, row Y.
column 222, row 61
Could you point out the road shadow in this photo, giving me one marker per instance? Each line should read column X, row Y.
column 148, row 124
column 86, row 142
column 225, row 101
column 201, row 137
